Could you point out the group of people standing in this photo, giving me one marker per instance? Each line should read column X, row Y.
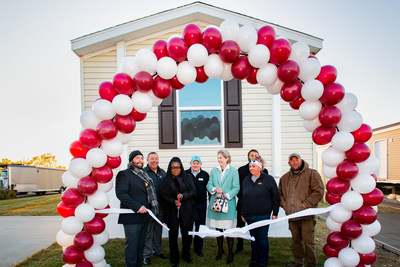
column 182, row 198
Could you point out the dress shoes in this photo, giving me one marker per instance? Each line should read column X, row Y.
column 188, row 260
column 199, row 253
column 161, row 256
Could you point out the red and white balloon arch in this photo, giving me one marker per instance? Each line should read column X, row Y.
column 225, row 52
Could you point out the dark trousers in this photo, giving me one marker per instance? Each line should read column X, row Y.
column 259, row 247
column 153, row 239
column 303, row 246
column 173, row 241
column 135, row 235
column 239, row 223
column 201, row 211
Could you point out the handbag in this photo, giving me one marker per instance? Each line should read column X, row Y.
column 220, row 205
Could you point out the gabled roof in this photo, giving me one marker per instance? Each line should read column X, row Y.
column 185, row 14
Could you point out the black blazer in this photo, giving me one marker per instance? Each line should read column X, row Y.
column 131, row 191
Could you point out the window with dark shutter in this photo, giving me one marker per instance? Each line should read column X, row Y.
column 167, row 122
column 233, row 113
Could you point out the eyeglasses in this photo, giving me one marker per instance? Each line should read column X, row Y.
column 175, row 168
column 252, row 160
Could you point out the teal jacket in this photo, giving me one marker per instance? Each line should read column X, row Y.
column 230, row 185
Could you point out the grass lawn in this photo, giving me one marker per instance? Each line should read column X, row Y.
column 31, row 206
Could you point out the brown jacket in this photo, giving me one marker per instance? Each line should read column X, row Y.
column 303, row 191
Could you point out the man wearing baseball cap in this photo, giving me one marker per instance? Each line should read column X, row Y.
column 200, row 179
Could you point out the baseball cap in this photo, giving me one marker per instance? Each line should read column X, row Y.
column 294, row 155
column 194, row 158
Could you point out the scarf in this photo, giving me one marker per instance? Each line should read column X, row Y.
column 151, row 191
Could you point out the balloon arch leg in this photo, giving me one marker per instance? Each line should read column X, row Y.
column 225, row 52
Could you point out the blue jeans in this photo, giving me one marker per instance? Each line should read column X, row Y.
column 259, row 247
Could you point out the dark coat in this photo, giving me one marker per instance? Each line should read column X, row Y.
column 200, row 182
column 131, row 191
column 244, row 171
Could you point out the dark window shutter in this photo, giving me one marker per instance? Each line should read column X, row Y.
column 167, row 123
column 233, row 113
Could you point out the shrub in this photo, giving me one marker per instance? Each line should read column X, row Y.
column 3, row 194
column 11, row 194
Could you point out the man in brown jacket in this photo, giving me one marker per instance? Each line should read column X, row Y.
column 301, row 188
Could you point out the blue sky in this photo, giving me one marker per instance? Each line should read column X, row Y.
column 40, row 88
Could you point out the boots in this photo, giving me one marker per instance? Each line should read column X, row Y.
column 230, row 247
column 220, row 243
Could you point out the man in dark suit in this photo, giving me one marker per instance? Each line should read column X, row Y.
column 136, row 191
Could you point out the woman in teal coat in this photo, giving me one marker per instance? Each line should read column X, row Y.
column 224, row 181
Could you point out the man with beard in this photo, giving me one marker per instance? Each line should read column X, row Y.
column 301, row 188
column 136, row 191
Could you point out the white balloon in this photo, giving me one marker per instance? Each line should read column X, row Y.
column 351, row 200
column 101, row 239
column 95, row 253
column 259, row 56
column 70, row 180
column 312, row 90
column 214, row 67
column 300, row 52
column 105, row 187
column 103, row 109
column 348, row 257
column 267, row 75
column 350, row 121
column 363, row 244
column 99, row 200
column 142, row 102
column 129, row 66
column 276, row 87
column 226, row 73
column 186, row 73
column 311, row 125
column 101, row 263
column 375, row 208
column 310, row 109
column 371, row 229
column 89, row 120
column 146, row 60
column 112, row 147
column 363, row 183
column 371, row 165
column 123, row 137
column 332, row 262
column 332, row 225
column 332, row 157
column 84, row 212
column 79, row 167
column 166, row 68
column 329, row 171
column 342, row 141
column 197, row 55
column 71, row 225
column 229, row 30
column 64, row 239
column 155, row 100
column 309, row 69
column 247, row 38
column 348, row 103
column 122, row 104
column 340, row 214
column 96, row 157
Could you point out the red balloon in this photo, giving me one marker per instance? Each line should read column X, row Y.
column 176, row 84
column 64, row 210
column 333, row 94
column 347, row 170
column 229, row 51
column 373, row 198
column 90, row 138
column 337, row 241
column 362, row 134
column 252, row 78
column 367, row 259
column 107, row 129
column 144, row 81
column 77, row 150
column 103, row 174
column 359, row 152
column 201, row 76
column 84, row 263
column 329, row 116
column 332, row 199
column 323, row 135
column 291, row 91
column 211, row 39
column 160, row 49
column 280, row 51
column 123, row 84
column 192, row 34
column 72, row 255
column 288, row 71
column 95, row 226
column 351, row 229
column 337, row 187
column 162, row 88
column 177, row 49
column 113, row 162
column 125, row 124
column 137, row 115
column 83, row 240
column 87, row 186
column 295, row 104
column 72, row 198
column 266, row 35
column 107, row 91
column 241, row 68
column 330, row 251
column 365, row 215
column 103, row 215
column 327, row 75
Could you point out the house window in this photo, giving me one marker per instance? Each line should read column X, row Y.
column 380, row 151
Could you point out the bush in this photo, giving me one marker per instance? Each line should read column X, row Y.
column 3, row 194
column 11, row 194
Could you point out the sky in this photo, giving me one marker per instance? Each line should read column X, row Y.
column 39, row 73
